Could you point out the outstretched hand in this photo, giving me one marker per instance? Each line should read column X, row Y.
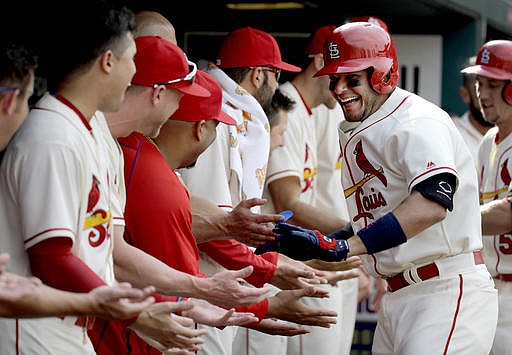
column 287, row 305
column 305, row 244
column 253, row 229
column 121, row 301
column 292, row 274
column 206, row 313
column 166, row 330
column 278, row 327
column 224, row 289
column 12, row 286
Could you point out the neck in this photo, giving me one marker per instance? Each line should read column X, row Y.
column 308, row 87
column 479, row 127
column 81, row 101
column 168, row 151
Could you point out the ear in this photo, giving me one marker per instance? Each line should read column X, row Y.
column 318, row 61
column 464, row 94
column 199, row 128
column 107, row 61
column 156, row 94
column 8, row 102
column 256, row 77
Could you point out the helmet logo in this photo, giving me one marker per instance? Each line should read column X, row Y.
column 334, row 52
column 486, row 56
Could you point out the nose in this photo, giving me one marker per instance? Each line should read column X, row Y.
column 337, row 86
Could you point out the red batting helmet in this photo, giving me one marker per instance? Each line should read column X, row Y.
column 357, row 46
column 494, row 60
column 371, row 19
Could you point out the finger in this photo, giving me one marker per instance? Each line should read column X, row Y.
column 312, row 291
column 184, row 321
column 253, row 202
column 337, row 276
column 268, row 218
column 243, row 273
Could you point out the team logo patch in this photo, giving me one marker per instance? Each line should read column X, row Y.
column 485, row 57
column 334, row 52
column 366, row 201
column 504, row 174
column 97, row 219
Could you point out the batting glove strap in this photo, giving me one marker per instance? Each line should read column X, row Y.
column 330, row 249
column 344, row 233
column 383, row 234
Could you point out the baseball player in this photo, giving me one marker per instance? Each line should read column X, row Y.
column 472, row 124
column 413, row 205
column 26, row 296
column 493, row 70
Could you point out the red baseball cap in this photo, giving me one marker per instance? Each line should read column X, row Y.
column 371, row 19
column 316, row 43
column 160, row 62
column 194, row 109
column 249, row 47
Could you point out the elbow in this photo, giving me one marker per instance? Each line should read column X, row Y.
column 438, row 213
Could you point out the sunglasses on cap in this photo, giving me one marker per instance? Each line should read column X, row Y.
column 276, row 71
column 189, row 77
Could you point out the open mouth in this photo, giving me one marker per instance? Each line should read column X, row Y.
column 348, row 100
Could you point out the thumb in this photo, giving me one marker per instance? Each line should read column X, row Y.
column 253, row 202
column 243, row 273
column 181, row 306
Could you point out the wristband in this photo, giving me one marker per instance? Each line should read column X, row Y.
column 344, row 233
column 385, row 233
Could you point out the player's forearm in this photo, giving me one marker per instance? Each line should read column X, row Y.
column 207, row 220
column 141, row 269
column 49, row 302
column 310, row 217
column 496, row 217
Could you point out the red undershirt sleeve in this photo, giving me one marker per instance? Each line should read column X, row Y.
column 259, row 310
column 53, row 262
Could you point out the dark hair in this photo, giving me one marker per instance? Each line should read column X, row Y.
column 17, row 63
column 93, row 27
column 279, row 102
column 237, row 74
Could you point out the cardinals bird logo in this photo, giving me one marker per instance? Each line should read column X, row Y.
column 363, row 164
column 504, row 174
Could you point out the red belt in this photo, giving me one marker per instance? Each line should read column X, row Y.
column 504, row 277
column 426, row 272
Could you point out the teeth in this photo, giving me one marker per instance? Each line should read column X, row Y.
column 349, row 99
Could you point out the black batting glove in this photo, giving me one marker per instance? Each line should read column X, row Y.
column 305, row 244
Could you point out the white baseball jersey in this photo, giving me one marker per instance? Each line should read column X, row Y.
column 298, row 157
column 495, row 167
column 329, row 194
column 469, row 133
column 386, row 156
column 494, row 171
column 54, row 183
column 115, row 170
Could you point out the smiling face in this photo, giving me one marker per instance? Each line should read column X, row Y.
column 355, row 95
column 493, row 106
